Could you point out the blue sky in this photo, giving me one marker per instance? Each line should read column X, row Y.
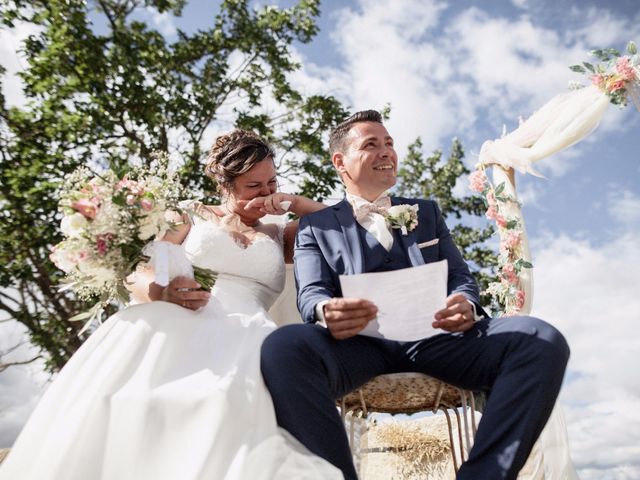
column 464, row 69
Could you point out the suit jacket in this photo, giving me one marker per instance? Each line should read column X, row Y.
column 328, row 245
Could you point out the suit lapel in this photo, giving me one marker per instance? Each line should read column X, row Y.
column 409, row 241
column 344, row 214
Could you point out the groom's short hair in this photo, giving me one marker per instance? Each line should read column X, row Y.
column 339, row 133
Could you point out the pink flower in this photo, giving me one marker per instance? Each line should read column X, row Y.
column 512, row 239
column 624, row 68
column 477, row 181
column 615, row 85
column 146, row 204
column 509, row 273
column 103, row 242
column 520, row 299
column 597, row 80
column 491, row 213
column 501, row 221
column 131, row 199
column 85, row 207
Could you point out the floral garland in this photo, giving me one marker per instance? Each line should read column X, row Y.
column 508, row 290
column 617, row 76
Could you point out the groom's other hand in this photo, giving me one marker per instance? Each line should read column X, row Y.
column 457, row 316
column 346, row 317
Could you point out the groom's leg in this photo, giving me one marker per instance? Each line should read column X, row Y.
column 520, row 361
column 306, row 369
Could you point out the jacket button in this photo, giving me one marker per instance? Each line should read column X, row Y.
column 387, row 260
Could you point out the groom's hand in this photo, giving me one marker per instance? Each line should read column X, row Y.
column 346, row 317
column 457, row 316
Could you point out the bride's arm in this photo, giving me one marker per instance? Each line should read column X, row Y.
column 301, row 206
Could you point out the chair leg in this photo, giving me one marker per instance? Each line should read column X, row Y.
column 451, row 444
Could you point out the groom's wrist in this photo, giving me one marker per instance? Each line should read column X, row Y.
column 320, row 320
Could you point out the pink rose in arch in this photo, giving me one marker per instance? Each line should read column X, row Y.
column 477, row 181
column 509, row 273
column 520, row 299
column 500, row 220
column 491, row 213
column 615, row 85
column 512, row 239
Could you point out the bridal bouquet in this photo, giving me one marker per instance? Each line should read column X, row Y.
column 108, row 220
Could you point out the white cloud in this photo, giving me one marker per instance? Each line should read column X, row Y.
column 523, row 4
column 13, row 60
column 20, row 386
column 624, row 206
column 590, row 293
column 164, row 22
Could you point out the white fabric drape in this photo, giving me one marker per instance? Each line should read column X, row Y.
column 563, row 121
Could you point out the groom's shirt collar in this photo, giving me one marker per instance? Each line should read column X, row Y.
column 356, row 201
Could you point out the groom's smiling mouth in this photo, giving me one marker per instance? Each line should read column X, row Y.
column 383, row 167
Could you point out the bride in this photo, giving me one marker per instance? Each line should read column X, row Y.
column 172, row 389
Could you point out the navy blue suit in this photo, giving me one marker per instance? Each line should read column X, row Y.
column 518, row 361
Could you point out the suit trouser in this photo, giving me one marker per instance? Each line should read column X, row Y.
column 518, row 361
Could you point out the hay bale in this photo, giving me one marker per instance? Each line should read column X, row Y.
column 407, row 450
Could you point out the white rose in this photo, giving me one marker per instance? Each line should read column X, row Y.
column 63, row 260
column 73, row 225
column 150, row 225
column 98, row 274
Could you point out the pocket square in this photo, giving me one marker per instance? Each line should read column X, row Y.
column 429, row 243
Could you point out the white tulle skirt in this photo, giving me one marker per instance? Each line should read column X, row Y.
column 161, row 392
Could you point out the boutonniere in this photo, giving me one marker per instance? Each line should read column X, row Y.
column 404, row 217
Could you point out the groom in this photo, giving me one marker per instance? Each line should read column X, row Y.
column 518, row 361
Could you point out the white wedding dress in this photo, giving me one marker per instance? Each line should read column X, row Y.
column 162, row 392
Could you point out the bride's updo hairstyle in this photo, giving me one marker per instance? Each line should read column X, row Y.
column 233, row 154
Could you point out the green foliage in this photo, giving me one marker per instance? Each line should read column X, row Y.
column 436, row 178
column 111, row 98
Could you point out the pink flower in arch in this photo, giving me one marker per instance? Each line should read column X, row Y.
column 509, row 273
column 512, row 239
column 477, row 181
column 625, row 69
column 615, row 85
column 520, row 297
column 597, row 80
column 491, row 213
column 500, row 220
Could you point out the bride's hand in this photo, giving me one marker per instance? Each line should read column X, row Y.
column 274, row 204
column 185, row 292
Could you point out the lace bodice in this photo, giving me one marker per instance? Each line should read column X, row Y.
column 251, row 275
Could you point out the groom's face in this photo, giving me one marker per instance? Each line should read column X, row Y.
column 369, row 164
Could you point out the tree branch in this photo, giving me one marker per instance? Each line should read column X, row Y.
column 4, row 366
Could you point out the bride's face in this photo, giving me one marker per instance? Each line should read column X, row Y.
column 259, row 181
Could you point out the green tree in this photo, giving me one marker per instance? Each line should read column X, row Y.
column 434, row 177
column 111, row 96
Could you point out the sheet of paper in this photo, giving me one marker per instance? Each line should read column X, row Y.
column 407, row 300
